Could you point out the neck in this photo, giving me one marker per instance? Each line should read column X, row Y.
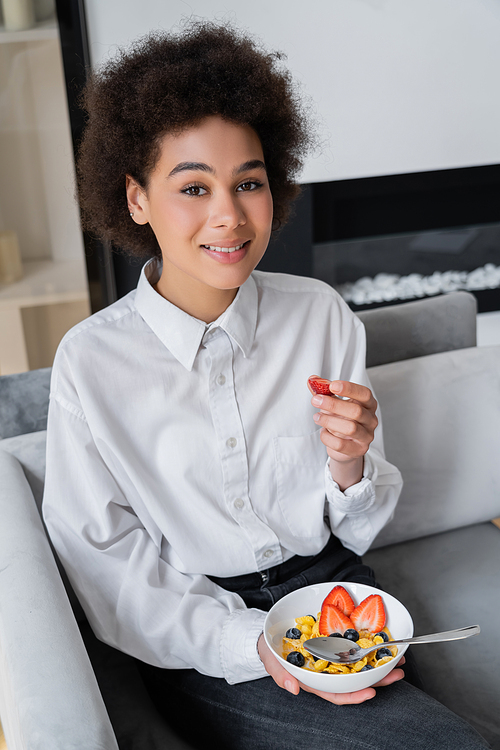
column 203, row 303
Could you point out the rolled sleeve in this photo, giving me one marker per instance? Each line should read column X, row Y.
column 238, row 647
column 357, row 515
column 356, row 499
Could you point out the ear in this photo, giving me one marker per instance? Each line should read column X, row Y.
column 137, row 201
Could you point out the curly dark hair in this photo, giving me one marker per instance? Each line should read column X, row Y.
column 164, row 83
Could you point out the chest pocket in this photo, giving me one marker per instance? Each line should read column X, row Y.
column 300, row 465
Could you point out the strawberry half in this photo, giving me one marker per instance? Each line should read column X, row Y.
column 370, row 614
column 332, row 620
column 320, row 385
column 341, row 599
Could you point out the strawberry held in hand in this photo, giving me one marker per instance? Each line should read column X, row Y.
column 320, row 385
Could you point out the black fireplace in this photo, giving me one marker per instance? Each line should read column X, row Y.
column 385, row 240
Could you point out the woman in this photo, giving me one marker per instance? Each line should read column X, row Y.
column 201, row 481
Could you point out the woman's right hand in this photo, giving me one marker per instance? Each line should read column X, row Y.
column 285, row 680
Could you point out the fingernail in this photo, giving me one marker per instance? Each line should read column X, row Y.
column 335, row 385
column 316, row 417
column 289, row 686
column 317, row 400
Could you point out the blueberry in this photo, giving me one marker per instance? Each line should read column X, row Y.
column 335, row 635
column 296, row 658
column 366, row 668
column 293, row 633
column 383, row 635
column 383, row 652
column 351, row 634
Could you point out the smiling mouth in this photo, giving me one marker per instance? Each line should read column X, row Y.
column 217, row 249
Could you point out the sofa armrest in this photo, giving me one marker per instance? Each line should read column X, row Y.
column 440, row 417
column 49, row 695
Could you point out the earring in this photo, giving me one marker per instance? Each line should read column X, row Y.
column 131, row 213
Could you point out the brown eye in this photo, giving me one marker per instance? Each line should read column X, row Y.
column 245, row 187
column 194, row 190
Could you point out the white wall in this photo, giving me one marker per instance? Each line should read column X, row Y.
column 398, row 85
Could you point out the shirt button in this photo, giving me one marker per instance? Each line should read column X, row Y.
column 268, row 553
column 221, row 379
column 239, row 503
column 231, row 442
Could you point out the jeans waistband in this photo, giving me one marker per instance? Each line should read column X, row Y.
column 279, row 573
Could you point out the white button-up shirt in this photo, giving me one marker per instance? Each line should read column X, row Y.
column 178, row 450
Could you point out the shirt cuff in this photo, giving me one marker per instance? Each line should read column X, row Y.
column 240, row 659
column 358, row 498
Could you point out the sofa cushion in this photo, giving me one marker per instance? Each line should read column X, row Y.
column 415, row 329
column 440, row 417
column 447, row 581
column 24, row 402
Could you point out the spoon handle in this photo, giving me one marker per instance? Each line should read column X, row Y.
column 447, row 635
column 325, row 648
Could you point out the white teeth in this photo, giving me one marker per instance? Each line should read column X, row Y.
column 224, row 249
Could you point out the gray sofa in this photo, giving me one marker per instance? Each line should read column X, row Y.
column 60, row 688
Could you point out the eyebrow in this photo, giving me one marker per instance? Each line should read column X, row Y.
column 198, row 166
column 248, row 165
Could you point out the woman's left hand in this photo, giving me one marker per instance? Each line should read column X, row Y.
column 348, row 427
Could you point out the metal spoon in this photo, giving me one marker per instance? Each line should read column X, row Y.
column 343, row 651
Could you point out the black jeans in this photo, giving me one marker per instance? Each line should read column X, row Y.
column 259, row 715
column 334, row 563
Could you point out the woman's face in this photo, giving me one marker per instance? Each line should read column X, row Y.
column 209, row 204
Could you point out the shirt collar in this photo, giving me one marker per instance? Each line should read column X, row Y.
column 181, row 333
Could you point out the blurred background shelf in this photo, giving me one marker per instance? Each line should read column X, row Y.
column 43, row 30
column 36, row 312
column 37, row 197
column 45, row 282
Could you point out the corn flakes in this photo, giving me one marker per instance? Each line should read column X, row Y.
column 309, row 628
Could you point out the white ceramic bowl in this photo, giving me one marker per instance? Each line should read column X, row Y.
column 308, row 601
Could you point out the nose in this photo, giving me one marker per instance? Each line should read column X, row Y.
column 226, row 211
